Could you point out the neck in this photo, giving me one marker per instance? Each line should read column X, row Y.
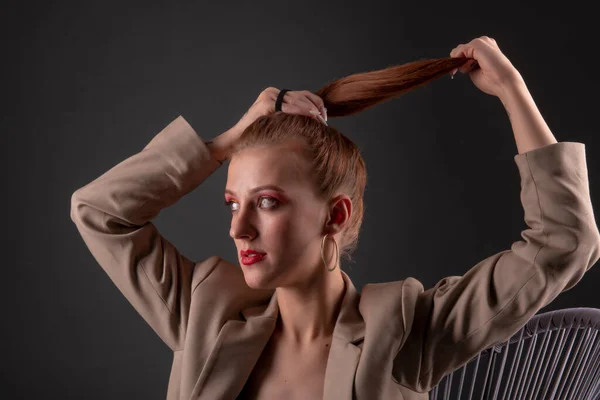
column 308, row 314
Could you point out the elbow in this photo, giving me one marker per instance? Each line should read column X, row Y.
column 589, row 237
column 74, row 202
column 584, row 243
column 595, row 235
column 566, row 257
column 578, row 263
column 76, row 205
column 590, row 245
column 587, row 250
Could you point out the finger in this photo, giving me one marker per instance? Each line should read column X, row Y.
column 299, row 104
column 455, row 52
column 300, row 99
column 316, row 100
column 287, row 98
column 463, row 50
column 322, row 119
column 473, row 66
column 466, row 67
column 299, row 109
column 307, row 107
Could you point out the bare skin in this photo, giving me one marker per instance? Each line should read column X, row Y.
column 284, row 371
column 288, row 225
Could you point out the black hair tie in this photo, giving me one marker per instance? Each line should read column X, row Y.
column 280, row 99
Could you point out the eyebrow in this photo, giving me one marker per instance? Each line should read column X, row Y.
column 259, row 188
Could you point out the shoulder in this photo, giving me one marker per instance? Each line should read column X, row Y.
column 388, row 310
column 392, row 291
column 390, row 298
column 216, row 269
column 217, row 278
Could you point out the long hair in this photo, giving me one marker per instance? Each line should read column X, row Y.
column 337, row 165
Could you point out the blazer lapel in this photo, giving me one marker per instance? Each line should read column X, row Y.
column 235, row 352
column 240, row 344
column 348, row 334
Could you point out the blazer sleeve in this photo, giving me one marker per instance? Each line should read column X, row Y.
column 463, row 315
column 113, row 214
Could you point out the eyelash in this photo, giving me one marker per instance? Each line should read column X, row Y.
column 228, row 203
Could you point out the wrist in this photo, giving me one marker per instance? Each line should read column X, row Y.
column 513, row 87
column 220, row 145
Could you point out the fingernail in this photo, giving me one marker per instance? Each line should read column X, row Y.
column 322, row 120
column 315, row 112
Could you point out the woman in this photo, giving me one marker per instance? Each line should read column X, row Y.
column 288, row 322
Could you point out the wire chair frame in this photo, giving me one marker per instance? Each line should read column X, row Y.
column 554, row 356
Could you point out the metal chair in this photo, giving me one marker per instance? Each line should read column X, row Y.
column 555, row 356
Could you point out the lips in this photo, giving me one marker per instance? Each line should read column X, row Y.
column 252, row 257
column 250, row 252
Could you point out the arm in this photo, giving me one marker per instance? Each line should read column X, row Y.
column 113, row 214
column 529, row 127
column 463, row 315
column 220, row 145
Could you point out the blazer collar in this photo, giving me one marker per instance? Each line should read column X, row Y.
column 240, row 344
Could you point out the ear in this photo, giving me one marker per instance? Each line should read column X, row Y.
column 340, row 210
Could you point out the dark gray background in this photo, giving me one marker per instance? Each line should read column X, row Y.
column 89, row 84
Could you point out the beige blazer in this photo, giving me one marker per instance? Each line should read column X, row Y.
column 394, row 340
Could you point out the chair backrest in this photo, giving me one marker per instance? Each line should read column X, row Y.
column 556, row 355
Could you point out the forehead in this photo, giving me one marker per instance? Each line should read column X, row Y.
column 280, row 164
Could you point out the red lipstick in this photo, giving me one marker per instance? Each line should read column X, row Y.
column 251, row 256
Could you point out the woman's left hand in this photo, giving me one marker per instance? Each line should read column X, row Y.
column 494, row 73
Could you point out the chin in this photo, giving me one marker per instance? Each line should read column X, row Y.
column 255, row 282
column 258, row 278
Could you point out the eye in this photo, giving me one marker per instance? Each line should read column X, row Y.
column 274, row 201
column 228, row 203
column 271, row 199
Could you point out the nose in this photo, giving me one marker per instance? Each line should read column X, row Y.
column 242, row 225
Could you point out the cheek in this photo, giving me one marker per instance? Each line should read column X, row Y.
column 289, row 229
column 278, row 228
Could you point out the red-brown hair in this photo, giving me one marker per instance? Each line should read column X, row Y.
column 337, row 165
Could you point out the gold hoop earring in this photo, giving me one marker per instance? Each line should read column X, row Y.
column 337, row 251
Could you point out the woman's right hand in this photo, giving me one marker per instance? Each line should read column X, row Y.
column 301, row 102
